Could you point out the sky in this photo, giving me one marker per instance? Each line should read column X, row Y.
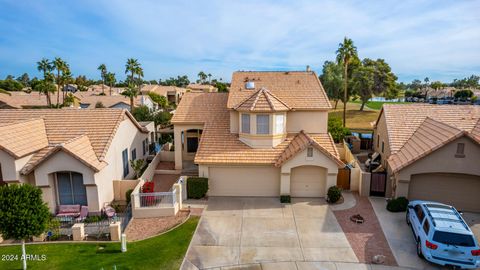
column 436, row 39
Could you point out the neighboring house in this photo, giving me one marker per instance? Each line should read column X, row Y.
column 116, row 102
column 72, row 88
column 172, row 93
column 96, row 89
column 71, row 155
column 266, row 137
column 24, row 100
column 431, row 152
column 201, row 88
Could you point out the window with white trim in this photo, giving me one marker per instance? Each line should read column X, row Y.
column 279, row 124
column 263, row 124
column 246, row 123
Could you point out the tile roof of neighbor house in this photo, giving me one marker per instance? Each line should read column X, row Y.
column 428, row 137
column 110, row 101
column 300, row 90
column 201, row 87
column 162, row 90
column 70, row 129
column 217, row 144
column 262, row 101
column 403, row 119
column 24, row 137
column 20, row 99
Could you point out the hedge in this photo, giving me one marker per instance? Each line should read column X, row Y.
column 285, row 199
column 197, row 187
column 397, row 205
column 334, row 194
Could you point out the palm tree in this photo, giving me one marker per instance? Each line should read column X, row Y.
column 209, row 77
column 131, row 66
column 60, row 66
column 139, row 72
column 65, row 79
column 46, row 67
column 111, row 80
column 103, row 74
column 202, row 76
column 131, row 92
column 345, row 53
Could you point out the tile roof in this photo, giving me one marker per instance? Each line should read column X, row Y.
column 24, row 137
column 322, row 142
column 63, row 125
column 219, row 146
column 162, row 90
column 110, row 101
column 298, row 89
column 79, row 147
column 476, row 131
column 402, row 120
column 428, row 137
column 262, row 101
column 20, row 99
column 202, row 87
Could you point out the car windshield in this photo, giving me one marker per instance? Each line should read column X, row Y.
column 454, row 239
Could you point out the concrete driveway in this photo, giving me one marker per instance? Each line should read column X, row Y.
column 400, row 237
column 238, row 231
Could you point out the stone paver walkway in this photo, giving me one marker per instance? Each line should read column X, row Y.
column 367, row 239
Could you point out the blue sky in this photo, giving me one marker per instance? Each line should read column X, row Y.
column 439, row 39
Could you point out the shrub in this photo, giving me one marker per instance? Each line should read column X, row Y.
column 397, row 205
column 335, row 127
column 93, row 219
column 128, row 195
column 197, row 187
column 285, row 199
column 334, row 194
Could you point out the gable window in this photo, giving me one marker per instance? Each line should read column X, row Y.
column 246, row 123
column 460, row 150
column 71, row 189
column 125, row 162
column 263, row 124
column 310, row 152
column 134, row 154
column 279, row 123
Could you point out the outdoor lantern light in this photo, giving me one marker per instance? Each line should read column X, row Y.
column 124, row 242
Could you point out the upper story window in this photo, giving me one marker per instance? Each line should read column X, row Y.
column 134, row 154
column 310, row 152
column 245, row 123
column 383, row 146
column 279, row 123
column 263, row 124
column 378, row 141
column 460, row 150
column 125, row 162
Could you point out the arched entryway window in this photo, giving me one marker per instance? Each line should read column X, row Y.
column 70, row 188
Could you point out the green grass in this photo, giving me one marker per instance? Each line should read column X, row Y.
column 162, row 252
column 376, row 105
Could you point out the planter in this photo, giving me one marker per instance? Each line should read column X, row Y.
column 357, row 219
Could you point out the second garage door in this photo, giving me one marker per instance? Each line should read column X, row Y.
column 308, row 181
column 244, row 181
column 460, row 190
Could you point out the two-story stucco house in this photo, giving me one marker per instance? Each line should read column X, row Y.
column 72, row 155
column 266, row 137
column 431, row 152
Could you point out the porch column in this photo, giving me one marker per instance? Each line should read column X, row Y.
column 177, row 134
column 285, row 183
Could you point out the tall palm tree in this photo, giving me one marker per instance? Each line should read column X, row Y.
column 345, row 53
column 111, row 80
column 139, row 72
column 103, row 74
column 45, row 67
column 131, row 92
column 61, row 66
column 131, row 66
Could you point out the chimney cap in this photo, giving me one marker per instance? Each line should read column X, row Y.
column 308, row 68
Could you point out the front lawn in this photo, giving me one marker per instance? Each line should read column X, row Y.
column 162, row 252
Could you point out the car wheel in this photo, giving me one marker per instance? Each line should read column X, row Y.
column 407, row 219
column 419, row 249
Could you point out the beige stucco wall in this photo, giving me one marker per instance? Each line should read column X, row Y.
column 309, row 121
column 9, row 171
column 120, row 187
column 301, row 159
column 234, row 122
column 441, row 161
column 180, row 150
column 255, row 140
column 242, row 180
column 381, row 135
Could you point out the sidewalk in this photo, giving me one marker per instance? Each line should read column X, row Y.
column 304, row 266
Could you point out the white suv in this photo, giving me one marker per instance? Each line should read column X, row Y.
column 442, row 236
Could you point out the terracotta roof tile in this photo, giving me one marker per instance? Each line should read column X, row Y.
column 19, row 99
column 262, row 101
column 404, row 119
column 297, row 89
column 24, row 137
column 429, row 136
column 110, row 101
column 162, row 90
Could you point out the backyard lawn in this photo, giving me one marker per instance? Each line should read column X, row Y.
column 162, row 252
column 356, row 120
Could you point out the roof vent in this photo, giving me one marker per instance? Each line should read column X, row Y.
column 249, row 85
column 308, row 68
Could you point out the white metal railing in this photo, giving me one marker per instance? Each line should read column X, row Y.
column 156, row 199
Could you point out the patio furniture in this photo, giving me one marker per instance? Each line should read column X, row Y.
column 83, row 214
column 68, row 211
column 109, row 211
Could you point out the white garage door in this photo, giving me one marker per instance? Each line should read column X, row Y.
column 308, row 181
column 459, row 190
column 245, row 181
